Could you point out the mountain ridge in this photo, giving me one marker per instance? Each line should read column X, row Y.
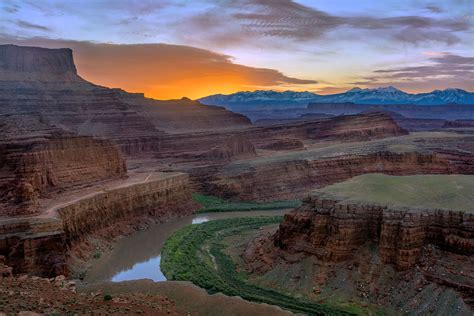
column 382, row 95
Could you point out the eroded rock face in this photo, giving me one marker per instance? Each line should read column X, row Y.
column 40, row 245
column 45, row 81
column 332, row 230
column 284, row 144
column 36, row 158
column 161, row 199
column 231, row 148
column 293, row 179
column 36, row 246
column 35, row 63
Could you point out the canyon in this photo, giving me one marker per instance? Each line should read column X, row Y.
column 82, row 165
column 338, row 231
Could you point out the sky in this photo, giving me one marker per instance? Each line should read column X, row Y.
column 171, row 49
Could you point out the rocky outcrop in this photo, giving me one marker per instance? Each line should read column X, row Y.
column 332, row 230
column 294, row 178
column 459, row 124
column 36, row 158
column 233, row 147
column 163, row 198
column 294, row 174
column 284, row 144
column 344, row 128
column 34, row 245
column 45, row 81
column 40, row 245
column 37, row 64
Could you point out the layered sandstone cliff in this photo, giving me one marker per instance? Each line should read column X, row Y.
column 401, row 243
column 36, row 158
column 294, row 174
column 284, row 144
column 161, row 196
column 40, row 245
column 332, row 230
column 45, row 81
column 344, row 129
column 234, row 147
column 332, row 226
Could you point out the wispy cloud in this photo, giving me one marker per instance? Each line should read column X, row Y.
column 442, row 69
column 28, row 25
column 288, row 19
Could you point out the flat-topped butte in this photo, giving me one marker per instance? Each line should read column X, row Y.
column 420, row 192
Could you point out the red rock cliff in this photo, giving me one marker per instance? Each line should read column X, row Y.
column 332, row 230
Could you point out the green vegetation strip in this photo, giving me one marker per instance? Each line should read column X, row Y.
column 215, row 204
column 196, row 253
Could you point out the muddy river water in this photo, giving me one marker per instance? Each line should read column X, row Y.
column 138, row 256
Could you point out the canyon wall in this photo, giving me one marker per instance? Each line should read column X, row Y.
column 294, row 178
column 361, row 127
column 36, row 158
column 34, row 245
column 40, row 245
column 45, row 81
column 163, row 198
column 332, row 230
column 234, row 147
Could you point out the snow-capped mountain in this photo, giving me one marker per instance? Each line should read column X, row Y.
column 257, row 96
column 384, row 95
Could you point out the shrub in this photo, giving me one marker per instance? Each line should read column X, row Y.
column 107, row 297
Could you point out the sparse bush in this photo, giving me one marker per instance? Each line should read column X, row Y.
column 97, row 254
column 107, row 297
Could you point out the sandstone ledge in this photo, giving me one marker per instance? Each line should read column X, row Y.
column 40, row 244
column 332, row 229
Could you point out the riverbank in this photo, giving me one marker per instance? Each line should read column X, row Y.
column 196, row 253
column 116, row 262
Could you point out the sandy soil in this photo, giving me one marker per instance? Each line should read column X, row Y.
column 190, row 298
column 59, row 297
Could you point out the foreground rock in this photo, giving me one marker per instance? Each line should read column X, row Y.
column 34, row 296
column 189, row 297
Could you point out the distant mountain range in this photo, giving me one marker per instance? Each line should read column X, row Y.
column 382, row 96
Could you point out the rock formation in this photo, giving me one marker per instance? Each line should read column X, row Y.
column 36, row 158
column 232, row 148
column 43, row 80
column 284, row 144
column 331, row 230
column 407, row 247
column 294, row 174
column 40, row 245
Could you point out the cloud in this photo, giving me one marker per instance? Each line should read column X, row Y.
column 164, row 71
column 434, row 9
column 11, row 8
column 442, row 70
column 28, row 25
column 246, row 20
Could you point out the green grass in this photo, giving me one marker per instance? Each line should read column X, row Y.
column 216, row 204
column 450, row 192
column 197, row 253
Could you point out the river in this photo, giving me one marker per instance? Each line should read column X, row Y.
column 138, row 256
